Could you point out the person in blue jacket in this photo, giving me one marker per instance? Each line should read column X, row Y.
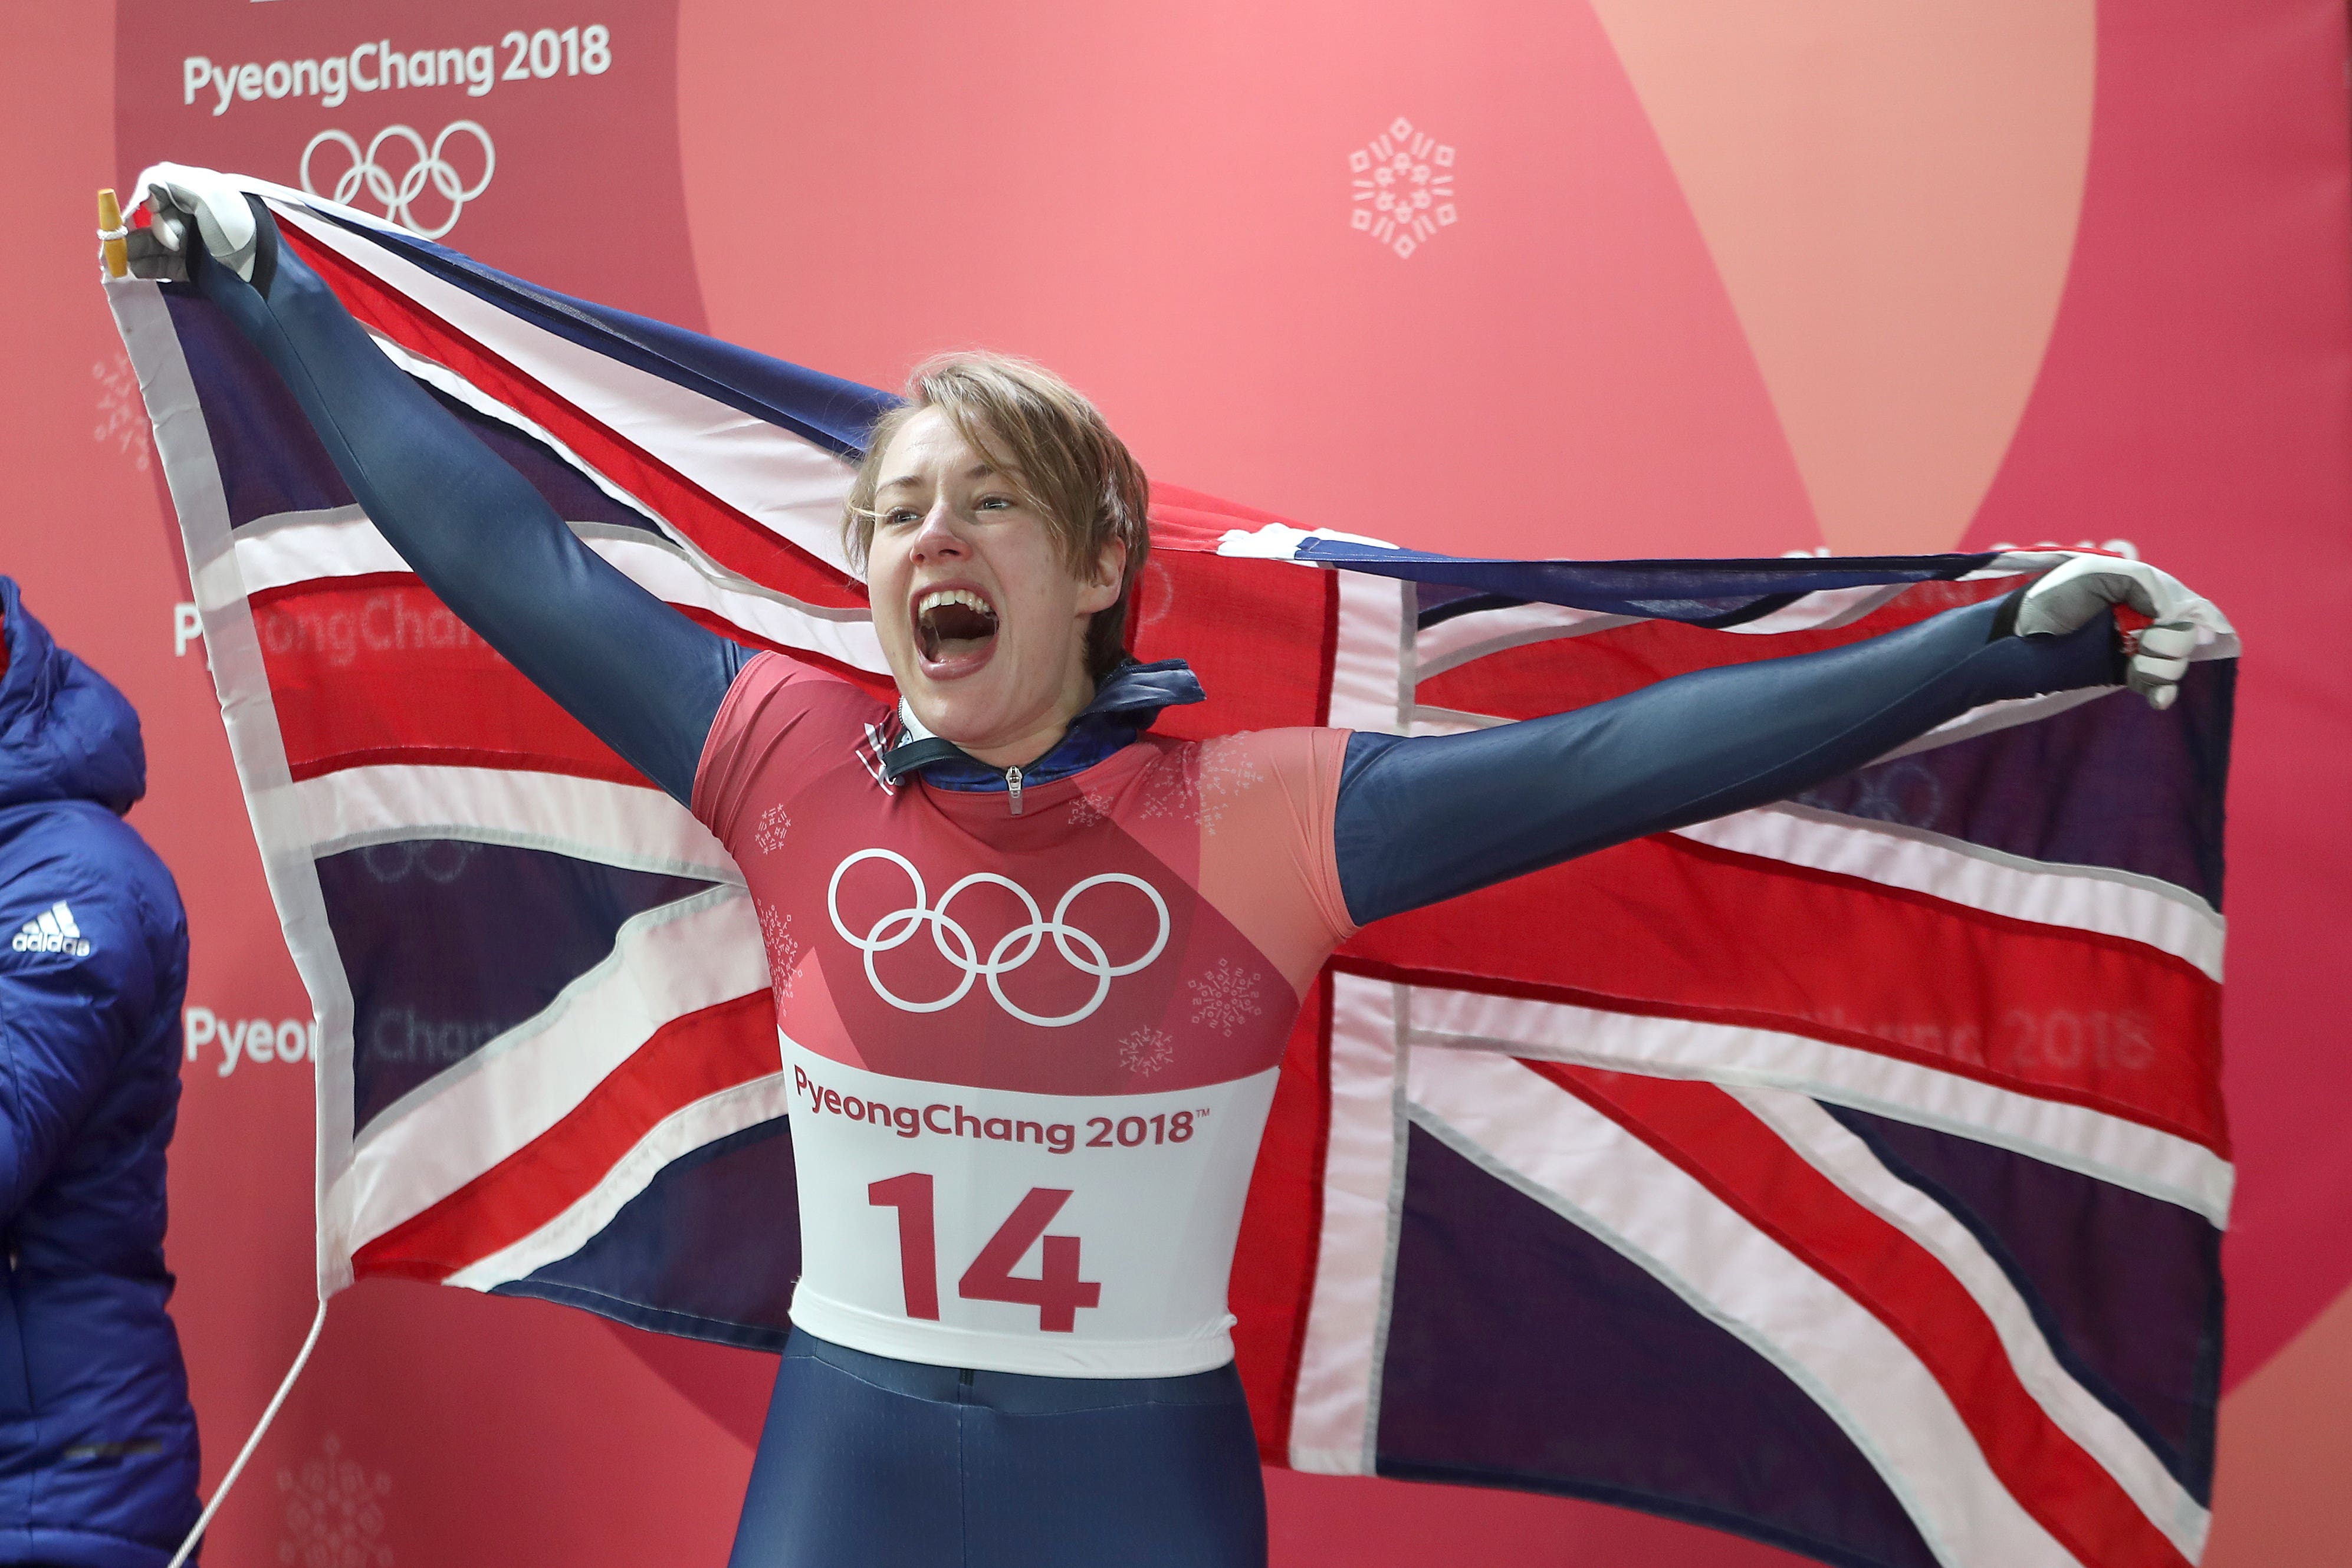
column 98, row 1442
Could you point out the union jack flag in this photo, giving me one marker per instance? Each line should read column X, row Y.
column 1848, row 1172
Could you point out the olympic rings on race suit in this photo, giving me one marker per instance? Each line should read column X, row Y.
column 908, row 920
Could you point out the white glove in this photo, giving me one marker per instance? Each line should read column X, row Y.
column 174, row 194
column 2071, row 594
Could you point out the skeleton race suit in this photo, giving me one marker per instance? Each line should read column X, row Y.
column 1033, row 1016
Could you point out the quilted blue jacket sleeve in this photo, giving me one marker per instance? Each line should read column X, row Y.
column 98, row 1443
column 77, row 988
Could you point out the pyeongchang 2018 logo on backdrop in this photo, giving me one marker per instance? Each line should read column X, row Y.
column 419, row 180
column 230, row 1041
column 397, row 169
column 499, row 127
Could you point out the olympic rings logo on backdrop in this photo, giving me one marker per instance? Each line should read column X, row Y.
column 395, row 196
column 1082, row 951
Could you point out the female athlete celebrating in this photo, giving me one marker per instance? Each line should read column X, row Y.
column 1003, row 919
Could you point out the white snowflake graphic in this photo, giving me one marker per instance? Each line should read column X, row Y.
column 1171, row 785
column 1086, row 810
column 122, row 412
column 333, row 1517
column 783, row 950
column 1147, row 1051
column 1200, row 782
column 1225, row 998
column 1403, row 188
column 775, row 823
column 1227, row 771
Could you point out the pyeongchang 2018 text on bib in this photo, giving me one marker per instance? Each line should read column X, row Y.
column 1063, row 1235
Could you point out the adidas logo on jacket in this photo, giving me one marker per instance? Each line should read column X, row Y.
column 54, row 932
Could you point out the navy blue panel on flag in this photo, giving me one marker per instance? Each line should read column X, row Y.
column 2125, row 1288
column 1699, row 593
column 2142, row 791
column 269, row 460
column 1523, row 1351
column 413, row 921
column 715, row 1241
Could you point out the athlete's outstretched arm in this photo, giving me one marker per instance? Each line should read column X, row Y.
column 643, row 677
column 1424, row 818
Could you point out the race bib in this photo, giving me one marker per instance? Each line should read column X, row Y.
column 1069, row 1235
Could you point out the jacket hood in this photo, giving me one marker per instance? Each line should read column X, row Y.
column 66, row 733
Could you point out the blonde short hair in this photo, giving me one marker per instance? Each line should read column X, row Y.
column 1051, row 445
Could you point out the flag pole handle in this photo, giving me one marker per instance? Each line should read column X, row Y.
column 113, row 232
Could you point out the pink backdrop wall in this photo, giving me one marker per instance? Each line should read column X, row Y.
column 1718, row 278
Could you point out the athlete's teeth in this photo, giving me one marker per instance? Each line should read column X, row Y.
column 928, row 630
column 933, row 600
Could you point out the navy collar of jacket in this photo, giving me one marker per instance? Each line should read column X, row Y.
column 1125, row 705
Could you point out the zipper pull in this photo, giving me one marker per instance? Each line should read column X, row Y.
column 1013, row 788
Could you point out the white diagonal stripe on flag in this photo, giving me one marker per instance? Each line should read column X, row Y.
column 2111, row 1148
column 290, row 548
column 1585, row 1167
column 845, row 636
column 665, row 963
column 685, row 1130
column 597, row 820
column 1835, row 1151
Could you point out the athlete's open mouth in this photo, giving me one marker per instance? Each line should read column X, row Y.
column 953, row 625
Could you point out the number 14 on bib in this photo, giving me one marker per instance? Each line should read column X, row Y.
column 1055, row 1289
